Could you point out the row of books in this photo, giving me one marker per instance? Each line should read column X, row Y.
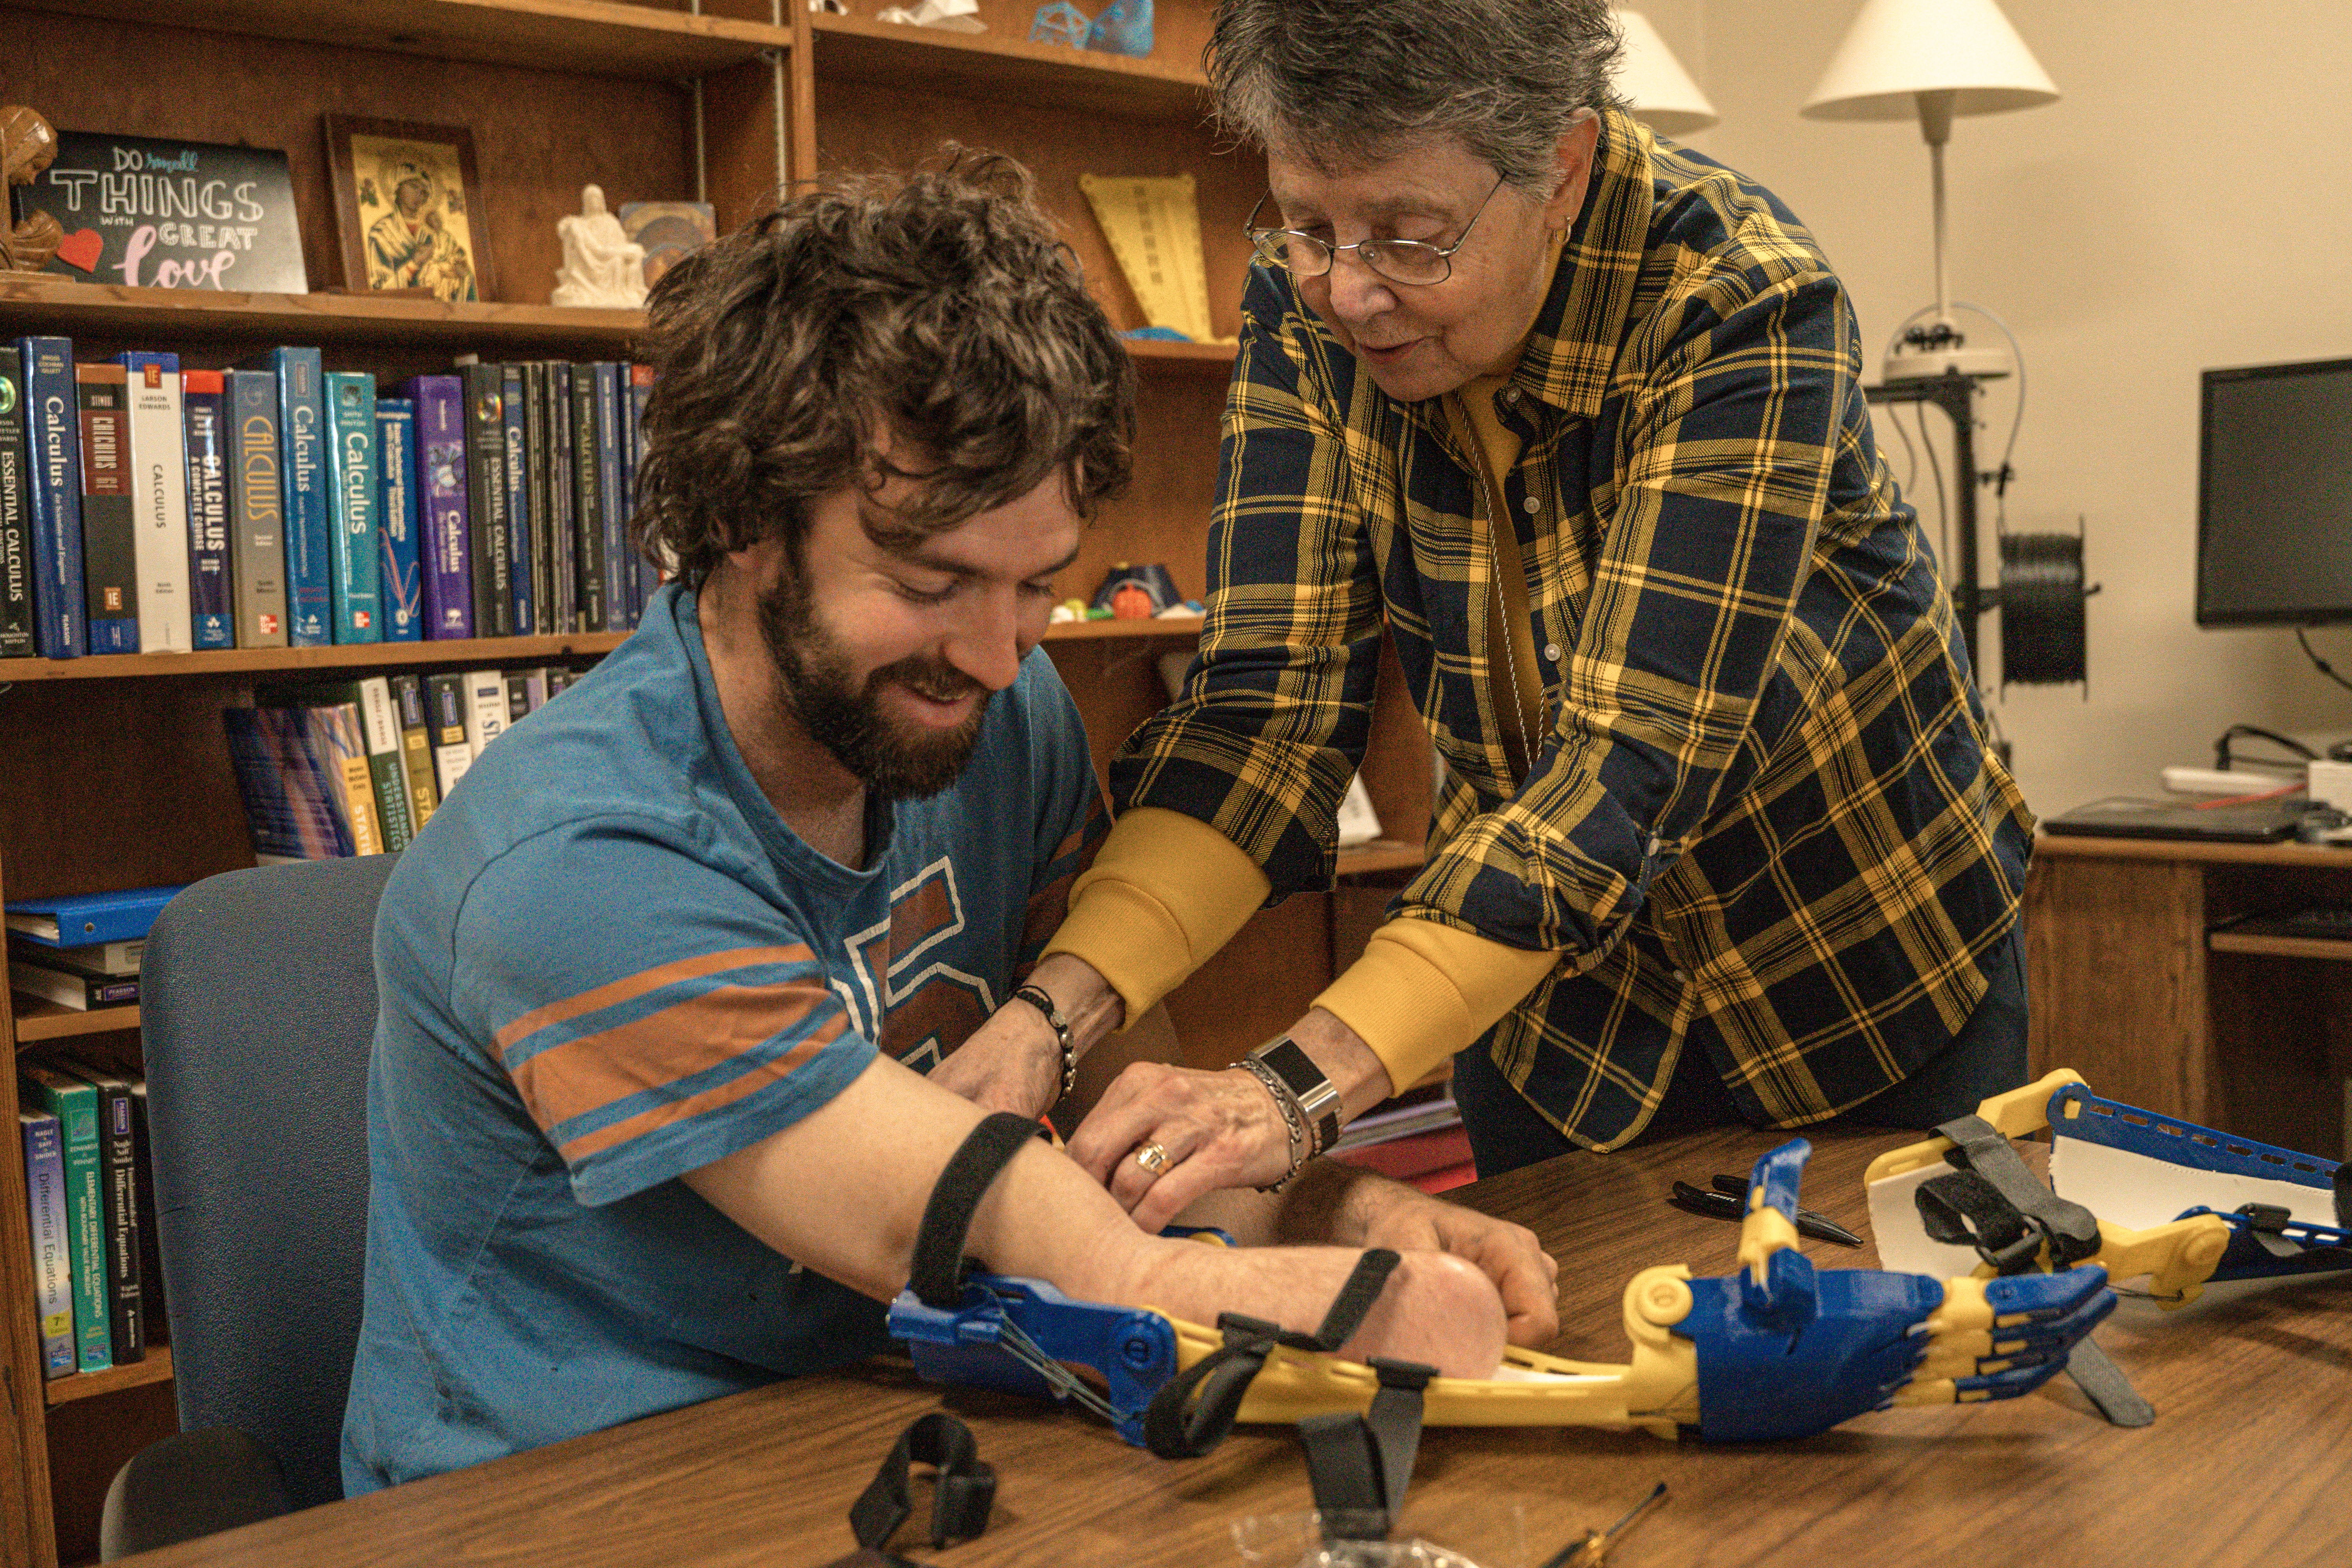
column 148, row 509
column 357, row 767
column 90, row 1197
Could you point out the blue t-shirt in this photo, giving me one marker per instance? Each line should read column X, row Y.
column 608, row 962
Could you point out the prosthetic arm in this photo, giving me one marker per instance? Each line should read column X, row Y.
column 1777, row 1350
column 2135, row 1193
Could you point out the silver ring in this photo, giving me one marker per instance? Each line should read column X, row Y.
column 1152, row 1158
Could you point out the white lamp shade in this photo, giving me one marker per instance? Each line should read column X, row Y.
column 1657, row 90
column 1899, row 48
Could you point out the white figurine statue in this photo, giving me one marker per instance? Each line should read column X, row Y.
column 601, row 266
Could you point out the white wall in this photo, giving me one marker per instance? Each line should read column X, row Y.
column 2186, row 205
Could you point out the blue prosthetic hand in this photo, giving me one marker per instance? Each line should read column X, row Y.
column 1785, row 1350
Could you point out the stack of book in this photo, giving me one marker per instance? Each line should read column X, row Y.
column 148, row 509
column 89, row 1194
column 357, row 767
column 83, row 953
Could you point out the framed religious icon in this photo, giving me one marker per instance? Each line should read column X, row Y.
column 408, row 211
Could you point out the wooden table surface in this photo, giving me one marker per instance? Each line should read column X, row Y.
column 2248, row 1461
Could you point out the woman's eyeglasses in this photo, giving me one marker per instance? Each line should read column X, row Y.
column 1408, row 261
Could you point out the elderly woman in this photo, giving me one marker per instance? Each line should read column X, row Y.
column 1575, row 414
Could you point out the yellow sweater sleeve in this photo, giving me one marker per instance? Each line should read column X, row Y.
column 1165, row 892
column 1423, row 990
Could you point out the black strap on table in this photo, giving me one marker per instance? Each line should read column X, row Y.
column 938, row 1278
column 1993, row 1202
column 1359, row 1466
column 964, row 1489
column 1194, row 1411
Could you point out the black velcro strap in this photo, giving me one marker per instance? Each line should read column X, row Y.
column 1343, row 1468
column 1962, row 1209
column 1395, row 1422
column 938, row 1278
column 1355, row 1299
column 2104, row 1385
column 965, row 1489
column 1360, row 1465
column 2344, row 1196
column 1195, row 1410
column 1978, row 1146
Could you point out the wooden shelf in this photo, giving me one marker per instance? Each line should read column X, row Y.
column 2335, row 948
column 40, row 1020
column 1187, row 627
column 1381, row 855
column 155, row 1368
column 1161, row 354
column 342, row 655
column 1000, row 68
column 37, row 302
column 595, row 36
column 40, row 303
column 2048, row 845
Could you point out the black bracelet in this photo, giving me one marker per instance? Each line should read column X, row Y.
column 1035, row 996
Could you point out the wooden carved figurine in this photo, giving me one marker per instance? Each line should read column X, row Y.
column 27, row 146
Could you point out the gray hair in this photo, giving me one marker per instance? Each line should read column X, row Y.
column 1345, row 82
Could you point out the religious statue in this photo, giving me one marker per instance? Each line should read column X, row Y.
column 602, row 264
column 27, row 146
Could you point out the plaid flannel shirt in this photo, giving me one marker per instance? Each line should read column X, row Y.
column 1764, row 822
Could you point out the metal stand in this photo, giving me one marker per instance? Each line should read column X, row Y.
column 1955, row 393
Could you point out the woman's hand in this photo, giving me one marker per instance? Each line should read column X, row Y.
column 1163, row 1136
column 1210, row 1129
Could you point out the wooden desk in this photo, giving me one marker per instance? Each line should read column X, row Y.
column 2248, row 1461
column 2133, row 988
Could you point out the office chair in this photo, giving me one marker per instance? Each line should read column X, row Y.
column 257, row 1004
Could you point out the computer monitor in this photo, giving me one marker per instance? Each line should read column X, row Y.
column 2274, row 495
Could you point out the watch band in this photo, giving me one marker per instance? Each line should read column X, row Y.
column 1318, row 1101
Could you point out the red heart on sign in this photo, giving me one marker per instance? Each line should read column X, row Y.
column 80, row 248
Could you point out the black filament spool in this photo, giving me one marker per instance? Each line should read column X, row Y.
column 2042, row 618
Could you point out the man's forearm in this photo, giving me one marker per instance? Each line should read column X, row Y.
column 1092, row 1008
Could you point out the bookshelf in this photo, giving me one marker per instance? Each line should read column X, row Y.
column 114, row 771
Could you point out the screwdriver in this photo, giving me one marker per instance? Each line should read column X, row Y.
column 1588, row 1551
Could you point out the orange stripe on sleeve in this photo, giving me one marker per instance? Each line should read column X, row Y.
column 699, row 1033
column 647, row 980
column 727, row 1093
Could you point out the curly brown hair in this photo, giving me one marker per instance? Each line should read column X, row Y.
column 939, row 305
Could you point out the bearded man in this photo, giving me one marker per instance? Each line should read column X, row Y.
column 648, row 1118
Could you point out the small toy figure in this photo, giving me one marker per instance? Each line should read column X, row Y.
column 1137, row 593
column 1060, row 23
column 1123, row 29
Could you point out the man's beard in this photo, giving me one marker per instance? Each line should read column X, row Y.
column 847, row 719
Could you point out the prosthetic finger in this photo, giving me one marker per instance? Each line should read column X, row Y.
column 1994, row 1339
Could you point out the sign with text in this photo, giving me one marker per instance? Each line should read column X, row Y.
column 158, row 214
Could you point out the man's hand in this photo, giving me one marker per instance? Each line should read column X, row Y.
column 1012, row 1062
column 1338, row 1203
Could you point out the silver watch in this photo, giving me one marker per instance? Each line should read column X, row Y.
column 1318, row 1101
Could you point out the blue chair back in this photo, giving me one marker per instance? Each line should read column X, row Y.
column 257, row 1004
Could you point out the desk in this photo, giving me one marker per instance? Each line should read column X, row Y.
column 2133, row 988
column 2249, row 1459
